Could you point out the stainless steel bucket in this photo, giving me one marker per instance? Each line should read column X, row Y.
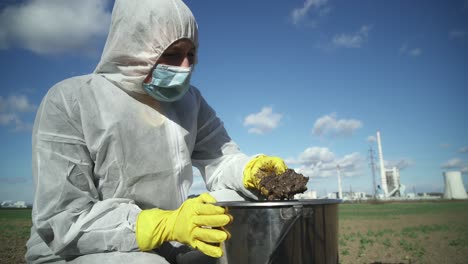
column 282, row 232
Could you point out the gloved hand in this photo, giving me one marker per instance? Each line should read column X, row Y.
column 259, row 167
column 191, row 224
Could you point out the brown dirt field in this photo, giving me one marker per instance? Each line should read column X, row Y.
column 14, row 235
column 423, row 238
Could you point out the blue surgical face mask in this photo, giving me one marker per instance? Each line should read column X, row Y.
column 168, row 83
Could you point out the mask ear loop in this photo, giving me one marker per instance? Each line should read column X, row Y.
column 149, row 76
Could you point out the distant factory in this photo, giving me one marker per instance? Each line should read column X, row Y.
column 14, row 204
column 390, row 186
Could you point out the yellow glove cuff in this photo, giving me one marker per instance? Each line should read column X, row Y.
column 149, row 239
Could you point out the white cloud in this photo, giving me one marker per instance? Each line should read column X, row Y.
column 300, row 14
column 321, row 162
column 354, row 40
column 329, row 125
column 351, row 164
column 12, row 119
column 413, row 52
column 54, row 26
column 463, row 149
column 400, row 164
column 315, row 155
column 16, row 103
column 7, row 118
column 20, row 104
column 453, row 164
column 262, row 122
column 457, row 34
column 464, row 169
column 371, row 139
column 11, row 109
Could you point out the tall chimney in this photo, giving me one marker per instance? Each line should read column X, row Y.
column 340, row 192
column 383, row 178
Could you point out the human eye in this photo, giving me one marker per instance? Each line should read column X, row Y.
column 176, row 56
column 170, row 54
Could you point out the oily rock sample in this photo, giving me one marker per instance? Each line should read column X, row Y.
column 283, row 186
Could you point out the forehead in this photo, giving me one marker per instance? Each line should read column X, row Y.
column 182, row 44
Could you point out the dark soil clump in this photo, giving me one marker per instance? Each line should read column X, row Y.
column 285, row 185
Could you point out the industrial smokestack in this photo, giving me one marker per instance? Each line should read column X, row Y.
column 383, row 178
column 340, row 192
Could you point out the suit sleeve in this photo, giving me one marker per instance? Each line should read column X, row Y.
column 68, row 213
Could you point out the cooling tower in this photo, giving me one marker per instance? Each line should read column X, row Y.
column 454, row 188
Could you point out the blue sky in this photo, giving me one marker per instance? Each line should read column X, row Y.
column 310, row 81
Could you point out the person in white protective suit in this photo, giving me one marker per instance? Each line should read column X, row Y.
column 113, row 151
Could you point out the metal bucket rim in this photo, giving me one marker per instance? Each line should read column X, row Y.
column 302, row 202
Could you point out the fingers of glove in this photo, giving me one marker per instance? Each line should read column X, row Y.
column 278, row 164
column 226, row 231
column 206, row 198
column 258, row 162
column 210, row 250
column 208, row 209
column 254, row 164
column 209, row 235
column 250, row 169
column 212, row 220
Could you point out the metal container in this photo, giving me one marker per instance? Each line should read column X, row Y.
column 282, row 232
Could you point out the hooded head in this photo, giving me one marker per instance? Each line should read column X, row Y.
column 139, row 33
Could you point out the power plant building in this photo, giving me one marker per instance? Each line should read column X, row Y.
column 389, row 178
column 393, row 181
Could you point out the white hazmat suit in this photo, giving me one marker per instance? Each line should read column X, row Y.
column 103, row 149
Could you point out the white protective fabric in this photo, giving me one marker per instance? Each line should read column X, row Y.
column 103, row 150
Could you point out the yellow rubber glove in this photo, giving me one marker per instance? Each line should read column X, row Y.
column 259, row 167
column 191, row 224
